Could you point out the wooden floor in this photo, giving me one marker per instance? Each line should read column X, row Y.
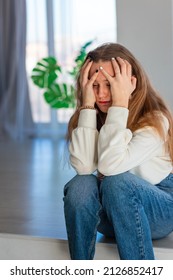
column 32, row 176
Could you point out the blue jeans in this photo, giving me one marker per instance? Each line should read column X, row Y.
column 124, row 206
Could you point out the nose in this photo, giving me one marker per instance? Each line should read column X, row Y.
column 103, row 91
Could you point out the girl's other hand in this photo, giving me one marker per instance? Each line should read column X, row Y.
column 123, row 83
column 86, row 83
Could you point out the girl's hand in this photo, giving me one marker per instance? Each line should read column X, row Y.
column 122, row 84
column 88, row 95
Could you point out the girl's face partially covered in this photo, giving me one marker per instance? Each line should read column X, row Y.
column 101, row 85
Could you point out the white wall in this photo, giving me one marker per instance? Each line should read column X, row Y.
column 146, row 28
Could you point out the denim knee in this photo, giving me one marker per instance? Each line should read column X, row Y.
column 79, row 191
column 118, row 187
column 111, row 183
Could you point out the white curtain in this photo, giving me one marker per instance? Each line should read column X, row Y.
column 15, row 111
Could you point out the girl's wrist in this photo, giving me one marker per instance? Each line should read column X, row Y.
column 87, row 107
column 91, row 104
column 120, row 104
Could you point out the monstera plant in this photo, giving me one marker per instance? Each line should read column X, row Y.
column 46, row 73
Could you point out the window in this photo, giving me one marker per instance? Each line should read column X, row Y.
column 36, row 49
column 75, row 22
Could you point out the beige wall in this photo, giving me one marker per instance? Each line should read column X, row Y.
column 146, row 28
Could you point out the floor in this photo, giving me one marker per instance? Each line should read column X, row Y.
column 33, row 174
column 32, row 177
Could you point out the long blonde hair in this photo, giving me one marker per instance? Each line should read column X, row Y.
column 145, row 101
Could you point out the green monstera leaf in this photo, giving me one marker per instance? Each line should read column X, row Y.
column 45, row 72
column 60, row 96
column 80, row 59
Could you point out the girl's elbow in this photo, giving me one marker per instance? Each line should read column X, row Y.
column 84, row 169
column 104, row 169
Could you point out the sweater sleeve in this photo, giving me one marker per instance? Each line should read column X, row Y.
column 120, row 150
column 83, row 146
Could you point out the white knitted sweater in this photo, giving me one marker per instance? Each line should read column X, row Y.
column 115, row 149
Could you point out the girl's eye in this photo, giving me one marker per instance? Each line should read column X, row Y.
column 108, row 85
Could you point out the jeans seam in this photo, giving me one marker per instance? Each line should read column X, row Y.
column 92, row 245
column 139, row 226
column 140, row 231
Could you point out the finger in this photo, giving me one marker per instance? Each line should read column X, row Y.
column 128, row 68
column 83, row 67
column 87, row 62
column 85, row 70
column 115, row 66
column 94, row 76
column 122, row 65
column 107, row 76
